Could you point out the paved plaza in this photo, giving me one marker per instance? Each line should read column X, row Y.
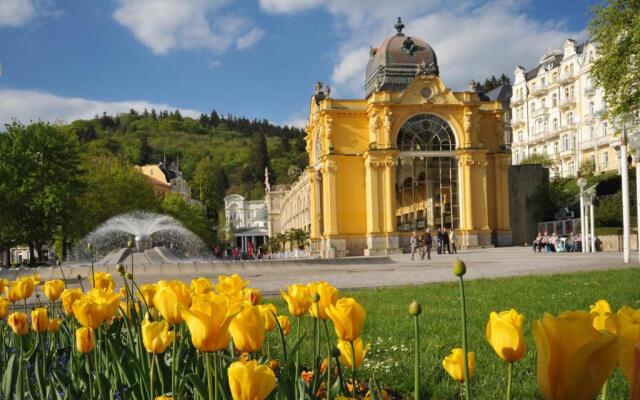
column 362, row 272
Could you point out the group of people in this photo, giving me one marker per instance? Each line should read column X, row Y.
column 422, row 244
column 554, row 243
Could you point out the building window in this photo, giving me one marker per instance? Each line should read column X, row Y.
column 516, row 157
column 569, row 118
column 554, row 100
column 591, row 132
column 565, row 142
column 555, row 124
column 572, row 168
column 520, row 136
column 605, row 160
column 592, row 107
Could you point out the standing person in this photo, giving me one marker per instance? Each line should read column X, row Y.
column 438, row 241
column 428, row 242
column 445, row 240
column 452, row 240
column 414, row 244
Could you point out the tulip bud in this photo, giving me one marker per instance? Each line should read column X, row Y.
column 316, row 297
column 79, row 278
column 415, row 308
column 129, row 276
column 120, row 269
column 130, row 244
column 459, row 268
column 335, row 352
column 274, row 364
column 90, row 247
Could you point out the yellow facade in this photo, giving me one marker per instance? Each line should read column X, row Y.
column 354, row 161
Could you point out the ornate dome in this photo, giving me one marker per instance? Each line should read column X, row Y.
column 397, row 61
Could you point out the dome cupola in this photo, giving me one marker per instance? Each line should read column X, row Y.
column 396, row 62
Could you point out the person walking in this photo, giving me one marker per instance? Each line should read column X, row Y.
column 452, row 240
column 414, row 244
column 445, row 241
column 438, row 241
column 428, row 242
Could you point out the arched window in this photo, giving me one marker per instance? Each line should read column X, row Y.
column 426, row 175
column 555, row 124
column 426, row 132
column 569, row 118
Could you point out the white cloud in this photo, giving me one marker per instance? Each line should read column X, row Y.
column 472, row 39
column 14, row 13
column 166, row 25
column 298, row 120
column 288, row 6
column 30, row 105
column 247, row 41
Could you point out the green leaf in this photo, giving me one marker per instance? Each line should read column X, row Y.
column 198, row 384
column 9, row 378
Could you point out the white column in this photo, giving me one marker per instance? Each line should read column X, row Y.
column 593, row 230
column 586, row 243
column 624, row 172
column 582, row 223
column 638, row 201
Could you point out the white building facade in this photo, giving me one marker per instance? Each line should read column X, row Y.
column 558, row 112
column 248, row 220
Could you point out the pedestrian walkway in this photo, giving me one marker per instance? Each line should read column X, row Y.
column 361, row 272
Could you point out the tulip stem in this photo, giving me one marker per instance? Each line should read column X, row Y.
column 353, row 369
column 297, row 351
column 417, row 360
column 207, row 362
column 215, row 374
column 93, row 274
column 151, row 373
column 268, row 345
column 509, row 374
column 173, row 367
column 467, row 391
column 326, row 331
column 87, row 358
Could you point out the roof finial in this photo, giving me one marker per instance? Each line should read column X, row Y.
column 399, row 26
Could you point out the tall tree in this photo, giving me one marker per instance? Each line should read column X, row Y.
column 211, row 183
column 615, row 26
column 258, row 158
column 39, row 182
column 191, row 216
column 145, row 151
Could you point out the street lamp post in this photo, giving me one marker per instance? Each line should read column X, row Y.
column 581, row 184
column 623, row 121
column 634, row 143
column 592, row 230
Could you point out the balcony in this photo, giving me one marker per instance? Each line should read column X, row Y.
column 540, row 111
column 517, row 122
column 601, row 113
column 590, row 118
column 568, row 102
column 566, row 78
column 517, row 100
column 568, row 152
column 539, row 90
column 568, row 127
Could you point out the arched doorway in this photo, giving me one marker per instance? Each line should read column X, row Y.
column 427, row 194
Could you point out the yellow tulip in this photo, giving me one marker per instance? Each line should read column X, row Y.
column 347, row 317
column 95, row 307
column 328, row 296
column 346, row 352
column 574, row 358
column 39, row 319
column 208, row 321
column 53, row 289
column 285, row 324
column 201, row 285
column 250, row 380
column 4, row 283
column 268, row 311
column 18, row 323
column 163, row 398
column 629, row 332
column 298, row 299
column 248, row 329
column 35, row 278
column 603, row 317
column 85, row 340
column 156, row 336
column 54, row 325
column 21, row 288
column 252, row 296
column 166, row 302
column 454, row 364
column 504, row 333
column 102, row 281
column 68, row 297
column 4, row 307
column 145, row 294
column 231, row 286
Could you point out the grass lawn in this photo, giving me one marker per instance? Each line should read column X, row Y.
column 389, row 328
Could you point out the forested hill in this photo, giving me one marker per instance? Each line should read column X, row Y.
column 240, row 147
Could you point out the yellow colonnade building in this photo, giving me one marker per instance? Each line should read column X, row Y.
column 411, row 155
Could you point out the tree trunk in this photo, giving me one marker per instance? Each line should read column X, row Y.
column 32, row 255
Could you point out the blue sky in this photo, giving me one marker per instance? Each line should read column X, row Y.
column 65, row 59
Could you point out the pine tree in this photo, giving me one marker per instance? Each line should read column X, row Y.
column 259, row 158
column 145, row 151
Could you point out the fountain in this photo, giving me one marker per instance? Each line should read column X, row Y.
column 159, row 239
